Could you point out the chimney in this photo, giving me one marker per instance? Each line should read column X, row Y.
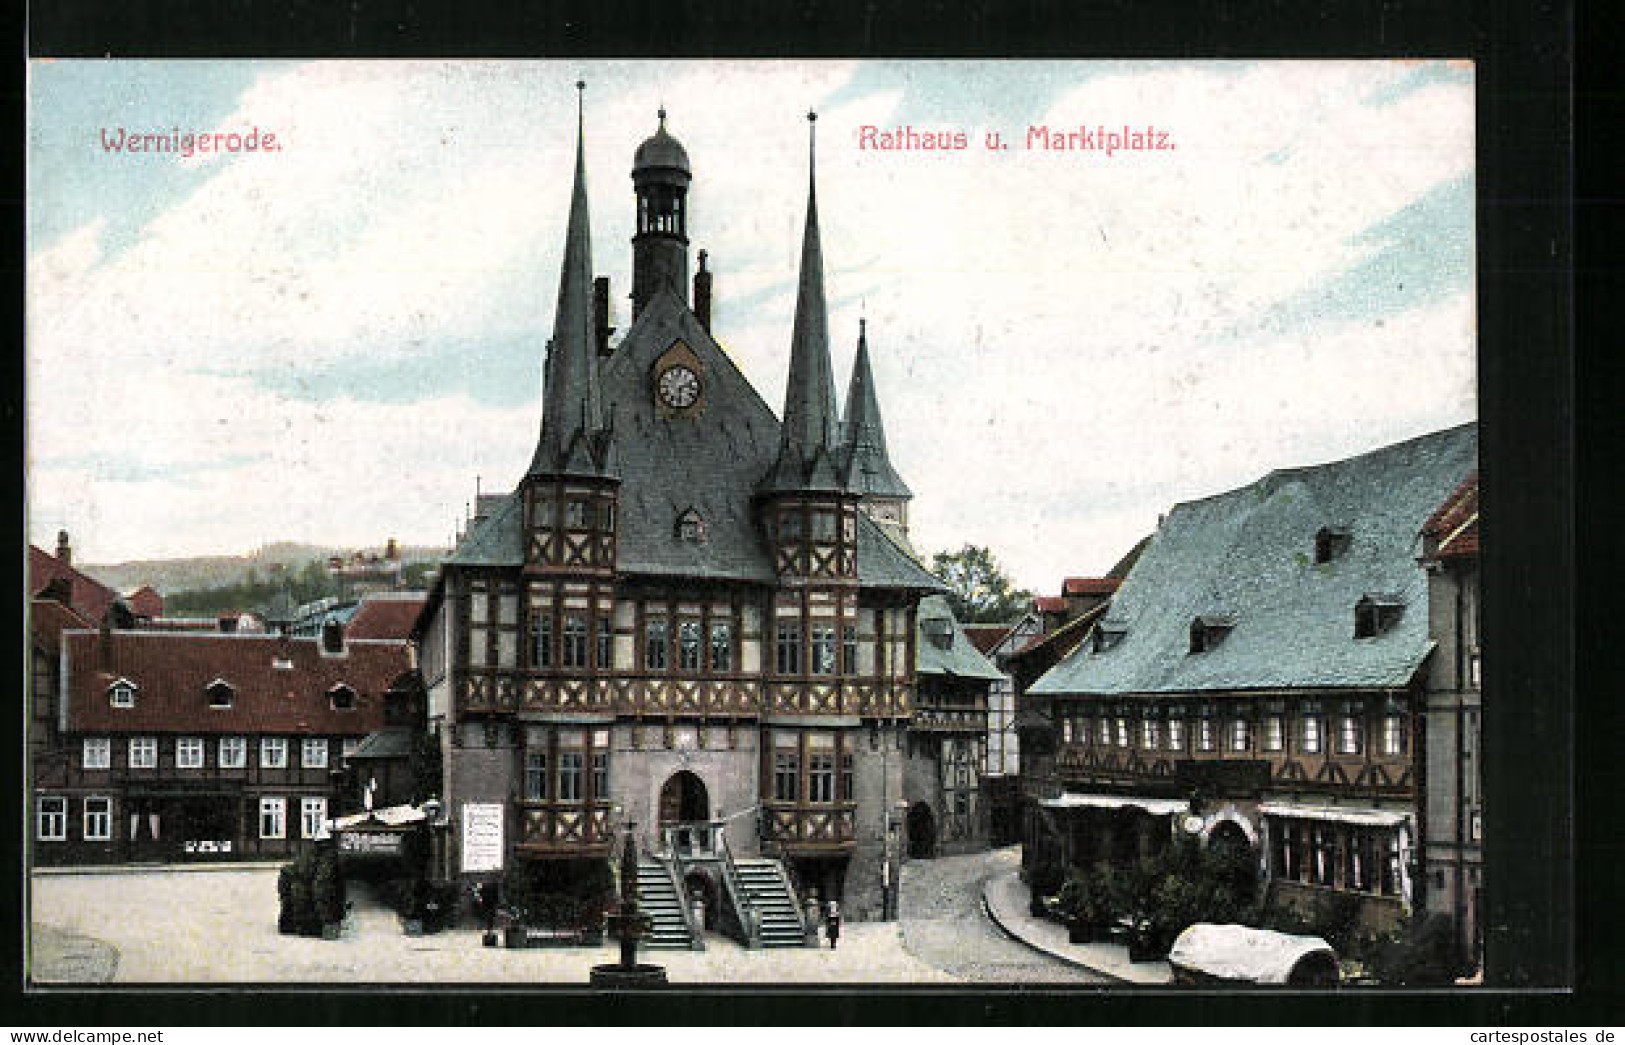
column 702, row 294
column 392, row 551
column 64, row 551
column 104, row 643
column 600, row 315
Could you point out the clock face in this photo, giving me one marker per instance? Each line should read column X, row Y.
column 679, row 387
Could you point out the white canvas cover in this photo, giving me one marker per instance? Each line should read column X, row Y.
column 394, row 816
column 1239, row 952
column 1154, row 806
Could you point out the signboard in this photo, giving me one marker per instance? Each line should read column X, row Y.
column 482, row 837
column 370, row 843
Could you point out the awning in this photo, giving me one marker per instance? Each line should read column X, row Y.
column 1341, row 814
column 1154, row 806
column 394, row 816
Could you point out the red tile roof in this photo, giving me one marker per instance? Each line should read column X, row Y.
column 146, row 602
column 386, row 616
column 1049, row 604
column 48, row 619
column 1090, row 585
column 1453, row 528
column 172, row 669
column 985, row 636
column 89, row 596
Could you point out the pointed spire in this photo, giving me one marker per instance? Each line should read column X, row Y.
column 868, row 467
column 574, row 435
column 809, row 436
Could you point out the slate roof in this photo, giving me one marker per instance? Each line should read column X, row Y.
column 1249, row 553
column 961, row 659
column 89, row 596
column 385, row 616
column 868, row 468
column 172, row 669
column 711, row 463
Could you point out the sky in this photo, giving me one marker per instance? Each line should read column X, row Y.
column 328, row 341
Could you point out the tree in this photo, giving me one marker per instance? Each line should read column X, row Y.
column 979, row 590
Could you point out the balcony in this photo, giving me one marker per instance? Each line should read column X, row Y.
column 564, row 829
column 949, row 718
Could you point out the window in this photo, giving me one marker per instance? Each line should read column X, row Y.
column 606, row 516
column 189, row 753
column 312, row 817
column 569, row 776
column 536, row 776
column 1240, row 735
column 1066, row 731
column 1274, row 733
column 143, row 752
column 688, row 645
column 1311, row 734
column 273, row 817
column 98, row 753
column 1348, row 735
column 1105, row 732
column 789, row 649
column 51, row 819
column 575, row 515
column 791, row 526
column 121, row 694
column 233, row 753
column 479, row 650
column 273, row 752
column 606, row 640
column 849, row 649
column 1331, row 542
column 823, row 526
column 349, row 746
column 1208, row 631
column 313, row 753
column 722, row 646
column 691, row 528
column 1393, row 735
column 98, row 819
column 575, row 642
column 541, row 640
column 847, row 792
column 1148, row 734
column 1122, row 732
column 1204, row 734
column 600, row 775
column 342, row 697
column 786, row 769
column 1176, row 734
column 1375, row 614
column 220, row 694
column 821, row 776
column 654, row 648
column 823, row 651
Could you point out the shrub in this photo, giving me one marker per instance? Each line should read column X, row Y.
column 1422, row 954
column 310, row 892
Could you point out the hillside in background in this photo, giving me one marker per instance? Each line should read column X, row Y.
column 219, row 571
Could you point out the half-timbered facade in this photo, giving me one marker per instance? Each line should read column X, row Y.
column 683, row 615
column 175, row 746
column 1259, row 678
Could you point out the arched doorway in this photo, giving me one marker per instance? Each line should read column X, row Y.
column 684, row 799
column 922, row 832
column 1232, row 856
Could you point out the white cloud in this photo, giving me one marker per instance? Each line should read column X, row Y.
column 1048, row 329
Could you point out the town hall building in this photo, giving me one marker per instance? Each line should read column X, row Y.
column 691, row 616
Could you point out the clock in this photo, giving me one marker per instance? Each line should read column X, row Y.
column 678, row 386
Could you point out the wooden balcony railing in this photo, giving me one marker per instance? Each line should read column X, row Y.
column 811, row 826
column 564, row 827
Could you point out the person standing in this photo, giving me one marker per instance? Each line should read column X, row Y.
column 832, row 924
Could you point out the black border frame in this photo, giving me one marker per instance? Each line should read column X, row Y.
column 1524, row 56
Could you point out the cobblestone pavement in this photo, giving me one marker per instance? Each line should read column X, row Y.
column 219, row 926
column 945, row 926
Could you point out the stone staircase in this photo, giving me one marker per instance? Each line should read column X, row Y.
column 768, row 891
column 659, row 900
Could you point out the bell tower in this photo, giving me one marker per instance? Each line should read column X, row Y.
column 660, row 179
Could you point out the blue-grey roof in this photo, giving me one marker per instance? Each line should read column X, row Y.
column 1249, row 554
column 710, row 462
column 961, row 659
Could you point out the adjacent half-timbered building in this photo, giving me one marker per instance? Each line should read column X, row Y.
column 1260, row 677
column 175, row 746
column 684, row 617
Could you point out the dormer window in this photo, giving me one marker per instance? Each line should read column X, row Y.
column 1375, row 614
column 121, row 694
column 1208, row 631
column 342, row 697
column 1108, row 634
column 691, row 527
column 220, row 693
column 940, row 631
column 332, row 637
column 1331, row 542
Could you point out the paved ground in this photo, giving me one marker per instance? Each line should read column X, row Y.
column 944, row 925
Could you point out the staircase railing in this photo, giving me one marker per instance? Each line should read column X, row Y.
column 750, row 925
column 792, row 882
column 672, row 864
